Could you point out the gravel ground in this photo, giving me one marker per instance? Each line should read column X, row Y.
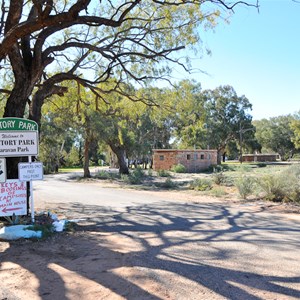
column 181, row 246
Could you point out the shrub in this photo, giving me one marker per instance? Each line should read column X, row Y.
column 201, row 184
column 245, row 168
column 163, row 173
column 150, row 172
column 218, row 168
column 136, row 177
column 179, row 168
column 283, row 186
column 222, row 179
column 168, row 184
column 218, row 192
column 245, row 186
column 102, row 174
column 276, row 187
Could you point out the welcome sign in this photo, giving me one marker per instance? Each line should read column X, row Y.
column 18, row 137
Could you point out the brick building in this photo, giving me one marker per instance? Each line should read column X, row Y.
column 259, row 157
column 193, row 160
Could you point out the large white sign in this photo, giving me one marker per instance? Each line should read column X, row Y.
column 18, row 143
column 2, row 169
column 13, row 198
column 30, row 171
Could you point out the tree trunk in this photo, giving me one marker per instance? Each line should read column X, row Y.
column 15, row 107
column 121, row 155
column 86, row 170
column 219, row 157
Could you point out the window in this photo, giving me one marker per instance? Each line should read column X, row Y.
column 202, row 156
column 161, row 157
column 208, row 156
column 195, row 156
column 188, row 157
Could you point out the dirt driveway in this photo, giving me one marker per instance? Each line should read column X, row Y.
column 175, row 245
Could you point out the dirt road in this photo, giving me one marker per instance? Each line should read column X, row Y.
column 153, row 245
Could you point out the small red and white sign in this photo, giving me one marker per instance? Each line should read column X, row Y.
column 13, row 198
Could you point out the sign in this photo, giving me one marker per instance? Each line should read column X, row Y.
column 17, row 124
column 18, row 143
column 13, row 198
column 30, row 171
column 2, row 169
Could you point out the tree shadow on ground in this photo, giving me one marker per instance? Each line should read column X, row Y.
column 191, row 251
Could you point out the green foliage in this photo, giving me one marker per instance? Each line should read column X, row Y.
column 295, row 127
column 135, row 177
column 227, row 114
column 201, row 184
column 168, row 184
column 274, row 187
column 245, row 168
column 150, row 172
column 282, row 186
column 46, row 229
column 245, row 185
column 73, row 157
column 218, row 191
column 13, row 220
column 163, row 173
column 70, row 226
column 178, row 168
column 102, row 174
column 222, row 179
column 276, row 135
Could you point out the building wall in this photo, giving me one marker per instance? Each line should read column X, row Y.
column 259, row 157
column 193, row 160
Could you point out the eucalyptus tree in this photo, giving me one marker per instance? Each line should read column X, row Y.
column 228, row 118
column 133, row 40
column 189, row 114
column 276, row 134
column 44, row 43
column 295, row 126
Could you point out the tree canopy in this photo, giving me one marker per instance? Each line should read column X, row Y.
column 44, row 43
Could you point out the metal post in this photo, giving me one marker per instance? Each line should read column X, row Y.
column 31, row 196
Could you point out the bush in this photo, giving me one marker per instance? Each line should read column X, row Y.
column 274, row 187
column 283, row 186
column 222, row 179
column 201, row 184
column 136, row 177
column 218, row 192
column 179, row 168
column 217, row 168
column 163, row 173
column 245, row 186
column 168, row 184
column 102, row 174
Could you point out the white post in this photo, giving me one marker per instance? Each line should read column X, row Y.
column 31, row 195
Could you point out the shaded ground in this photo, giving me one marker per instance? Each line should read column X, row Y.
column 187, row 247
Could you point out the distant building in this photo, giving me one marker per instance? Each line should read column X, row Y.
column 193, row 160
column 260, row 157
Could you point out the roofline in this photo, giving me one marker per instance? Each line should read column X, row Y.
column 184, row 150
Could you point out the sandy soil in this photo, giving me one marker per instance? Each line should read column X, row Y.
column 99, row 259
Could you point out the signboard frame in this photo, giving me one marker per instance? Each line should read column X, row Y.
column 3, row 173
column 30, row 171
column 13, row 198
column 18, row 143
column 26, row 132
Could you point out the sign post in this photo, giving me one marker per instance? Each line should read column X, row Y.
column 18, row 137
column 2, row 169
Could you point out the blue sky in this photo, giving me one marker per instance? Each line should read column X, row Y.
column 258, row 54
